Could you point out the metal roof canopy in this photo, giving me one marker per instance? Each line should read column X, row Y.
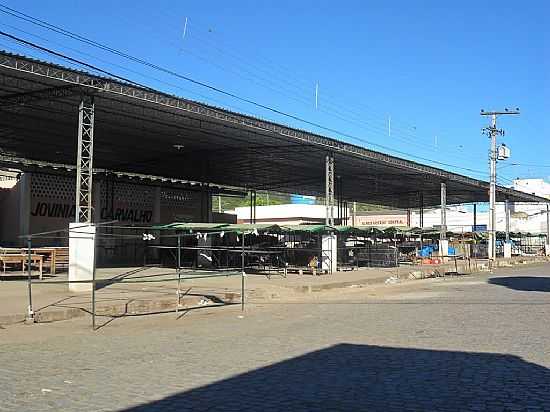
column 137, row 130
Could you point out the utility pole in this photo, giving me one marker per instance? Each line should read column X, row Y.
column 493, row 132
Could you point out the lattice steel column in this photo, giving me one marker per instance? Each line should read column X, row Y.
column 443, row 229
column 84, row 166
column 329, row 189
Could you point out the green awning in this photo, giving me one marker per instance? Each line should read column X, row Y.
column 192, row 227
column 251, row 227
column 318, row 229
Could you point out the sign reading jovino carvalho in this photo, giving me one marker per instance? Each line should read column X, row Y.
column 127, row 215
column 67, row 211
column 51, row 209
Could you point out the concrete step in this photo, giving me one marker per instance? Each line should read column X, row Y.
column 123, row 307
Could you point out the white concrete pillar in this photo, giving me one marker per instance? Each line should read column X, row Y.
column 443, row 226
column 81, row 256
column 443, row 247
column 507, row 250
column 443, row 242
column 547, row 246
column 329, row 255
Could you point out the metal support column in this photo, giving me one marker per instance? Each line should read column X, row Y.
column 251, row 212
column 329, row 189
column 337, row 188
column 548, row 227
column 84, row 166
column 421, row 210
column 254, row 206
column 475, row 218
column 242, row 274
column 443, row 229
column 507, row 218
column 345, row 212
column 178, row 270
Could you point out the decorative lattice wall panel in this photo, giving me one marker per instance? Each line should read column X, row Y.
column 128, row 194
column 60, row 188
column 180, row 205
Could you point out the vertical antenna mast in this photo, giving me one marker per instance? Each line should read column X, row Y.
column 184, row 29
column 316, row 95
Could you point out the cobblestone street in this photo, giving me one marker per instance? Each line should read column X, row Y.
column 473, row 343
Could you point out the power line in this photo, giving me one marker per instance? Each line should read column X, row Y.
column 75, row 36
column 71, row 59
column 214, row 88
column 287, row 76
column 411, row 139
column 147, row 76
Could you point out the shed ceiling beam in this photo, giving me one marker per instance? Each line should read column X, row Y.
column 52, row 93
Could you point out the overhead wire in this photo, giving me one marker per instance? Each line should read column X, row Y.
column 334, row 112
column 246, row 100
column 407, row 137
column 44, row 24
column 289, row 74
column 147, row 76
column 60, row 30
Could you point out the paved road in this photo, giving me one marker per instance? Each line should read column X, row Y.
column 474, row 343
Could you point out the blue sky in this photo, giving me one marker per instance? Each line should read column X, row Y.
column 428, row 65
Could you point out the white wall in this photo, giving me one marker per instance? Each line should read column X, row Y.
column 460, row 218
column 286, row 214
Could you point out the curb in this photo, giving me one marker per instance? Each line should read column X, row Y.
column 143, row 306
column 132, row 307
column 338, row 285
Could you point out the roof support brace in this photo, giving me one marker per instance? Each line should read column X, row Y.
column 84, row 167
column 329, row 189
column 21, row 99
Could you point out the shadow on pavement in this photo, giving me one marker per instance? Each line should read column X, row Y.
column 374, row 378
column 524, row 283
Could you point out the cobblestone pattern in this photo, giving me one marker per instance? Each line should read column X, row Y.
column 448, row 345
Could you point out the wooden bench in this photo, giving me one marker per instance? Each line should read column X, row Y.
column 21, row 259
column 54, row 257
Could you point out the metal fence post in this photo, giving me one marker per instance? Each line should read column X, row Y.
column 30, row 312
column 94, row 282
column 178, row 300
column 242, row 274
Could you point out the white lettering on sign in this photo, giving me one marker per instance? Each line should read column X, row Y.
column 381, row 220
